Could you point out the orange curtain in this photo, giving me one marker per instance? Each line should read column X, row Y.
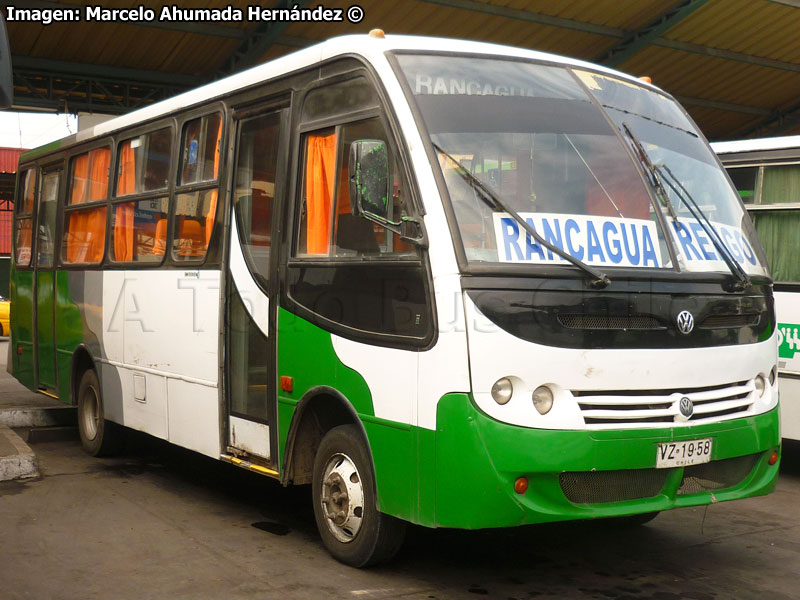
column 123, row 213
column 99, row 161
column 80, row 171
column 86, row 235
column 320, row 176
column 24, row 238
column 30, row 189
column 212, row 210
column 86, row 229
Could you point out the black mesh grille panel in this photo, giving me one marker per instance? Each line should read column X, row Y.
column 729, row 321
column 597, row 487
column 588, row 321
column 717, row 474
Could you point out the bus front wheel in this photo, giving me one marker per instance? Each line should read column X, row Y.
column 99, row 437
column 345, row 507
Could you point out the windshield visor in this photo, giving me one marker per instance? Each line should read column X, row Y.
column 533, row 135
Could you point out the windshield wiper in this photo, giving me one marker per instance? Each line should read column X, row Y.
column 599, row 279
column 742, row 280
column 652, row 171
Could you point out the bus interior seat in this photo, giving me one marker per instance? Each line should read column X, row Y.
column 191, row 241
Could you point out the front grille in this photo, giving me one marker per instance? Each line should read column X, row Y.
column 730, row 321
column 635, row 408
column 717, row 474
column 597, row 487
column 589, row 321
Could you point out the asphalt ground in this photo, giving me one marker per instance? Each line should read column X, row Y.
column 162, row 522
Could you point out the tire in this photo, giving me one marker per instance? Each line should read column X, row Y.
column 99, row 437
column 345, row 507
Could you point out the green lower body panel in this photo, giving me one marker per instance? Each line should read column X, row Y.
column 583, row 474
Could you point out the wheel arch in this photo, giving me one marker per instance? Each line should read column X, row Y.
column 82, row 360
column 320, row 409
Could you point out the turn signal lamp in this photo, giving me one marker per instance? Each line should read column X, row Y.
column 773, row 458
column 521, row 485
column 646, row 79
column 377, row 33
column 502, row 390
column 543, row 399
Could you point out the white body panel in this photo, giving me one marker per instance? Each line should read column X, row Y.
column 495, row 353
column 160, row 351
column 787, row 310
column 249, row 436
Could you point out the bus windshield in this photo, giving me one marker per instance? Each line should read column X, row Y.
column 548, row 140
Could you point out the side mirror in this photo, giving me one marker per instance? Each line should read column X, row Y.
column 6, row 77
column 369, row 179
column 370, row 192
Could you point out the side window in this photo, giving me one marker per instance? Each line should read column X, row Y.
column 23, row 228
column 139, row 228
column 778, row 226
column 328, row 225
column 254, row 192
column 196, row 207
column 355, row 276
column 85, row 226
column 46, row 234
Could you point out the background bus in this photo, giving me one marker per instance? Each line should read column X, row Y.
column 444, row 282
column 766, row 172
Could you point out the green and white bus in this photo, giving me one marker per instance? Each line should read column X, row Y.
column 505, row 288
column 766, row 173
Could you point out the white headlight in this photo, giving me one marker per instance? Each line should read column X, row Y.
column 502, row 390
column 543, row 399
column 761, row 385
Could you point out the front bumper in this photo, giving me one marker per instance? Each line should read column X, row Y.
column 604, row 473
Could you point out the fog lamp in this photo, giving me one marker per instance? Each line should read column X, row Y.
column 543, row 399
column 502, row 390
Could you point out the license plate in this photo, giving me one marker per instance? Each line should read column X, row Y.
column 683, row 454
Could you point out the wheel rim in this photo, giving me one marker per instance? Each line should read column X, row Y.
column 342, row 498
column 90, row 413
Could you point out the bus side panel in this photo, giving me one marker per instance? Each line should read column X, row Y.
column 307, row 354
column 78, row 321
column 790, row 407
column 22, row 327
column 787, row 310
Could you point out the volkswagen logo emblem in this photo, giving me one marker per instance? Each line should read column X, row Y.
column 685, row 322
column 686, row 406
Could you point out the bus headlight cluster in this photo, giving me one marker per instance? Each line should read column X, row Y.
column 543, row 399
column 761, row 385
column 502, row 390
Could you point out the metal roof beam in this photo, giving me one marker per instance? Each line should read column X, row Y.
column 259, row 40
column 726, row 106
column 649, row 33
column 211, row 29
column 531, row 17
column 778, row 123
column 62, row 67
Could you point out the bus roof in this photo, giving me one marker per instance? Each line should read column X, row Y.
column 754, row 145
column 368, row 46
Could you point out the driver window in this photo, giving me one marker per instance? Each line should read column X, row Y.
column 328, row 225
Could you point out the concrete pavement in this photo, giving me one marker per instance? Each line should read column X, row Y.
column 19, row 407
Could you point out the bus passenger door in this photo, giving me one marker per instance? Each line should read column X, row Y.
column 259, row 159
column 44, row 278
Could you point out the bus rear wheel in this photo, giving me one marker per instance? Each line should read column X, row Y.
column 345, row 507
column 99, row 437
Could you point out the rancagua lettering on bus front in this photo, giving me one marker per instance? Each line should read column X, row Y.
column 428, row 84
column 604, row 241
